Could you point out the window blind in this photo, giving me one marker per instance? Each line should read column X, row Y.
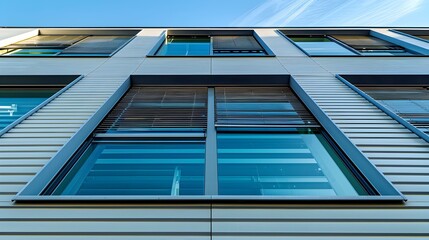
column 47, row 41
column 97, row 45
column 362, row 42
column 260, row 106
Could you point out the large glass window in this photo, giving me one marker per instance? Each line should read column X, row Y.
column 410, row 103
column 210, row 45
column 151, row 143
column 17, row 101
column 185, row 46
column 137, row 168
column 211, row 143
column 320, row 46
column 289, row 162
column 65, row 45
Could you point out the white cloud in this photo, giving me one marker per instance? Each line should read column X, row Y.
column 327, row 12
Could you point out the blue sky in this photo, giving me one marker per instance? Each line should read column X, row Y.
column 222, row 13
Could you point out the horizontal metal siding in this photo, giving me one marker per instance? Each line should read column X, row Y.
column 377, row 221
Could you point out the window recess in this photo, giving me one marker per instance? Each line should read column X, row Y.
column 344, row 43
column 67, row 44
column 211, row 43
column 206, row 141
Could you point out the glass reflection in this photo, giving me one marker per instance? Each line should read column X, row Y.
column 296, row 163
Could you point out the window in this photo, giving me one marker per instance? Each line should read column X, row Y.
column 269, row 144
column 369, row 45
column 199, row 142
column 343, row 43
column 320, row 46
column 144, row 147
column 211, row 43
column 17, row 101
column 410, row 103
column 20, row 95
column 74, row 44
column 415, row 33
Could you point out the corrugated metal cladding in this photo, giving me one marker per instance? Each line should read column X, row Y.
column 397, row 152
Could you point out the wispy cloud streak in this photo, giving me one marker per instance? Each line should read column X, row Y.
column 327, row 12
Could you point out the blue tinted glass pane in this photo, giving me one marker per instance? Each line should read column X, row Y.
column 290, row 164
column 321, row 46
column 258, row 106
column 185, row 46
column 15, row 102
column 149, row 168
column 34, row 52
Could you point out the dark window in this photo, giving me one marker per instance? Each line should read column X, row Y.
column 215, row 44
column 143, row 147
column 369, row 45
column 344, row 43
column 17, row 101
column 66, row 45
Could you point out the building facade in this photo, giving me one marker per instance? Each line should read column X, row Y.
column 221, row 133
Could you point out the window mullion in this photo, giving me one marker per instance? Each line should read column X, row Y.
column 211, row 181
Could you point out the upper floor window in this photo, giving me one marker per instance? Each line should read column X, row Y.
column 69, row 43
column 344, row 43
column 211, row 43
column 20, row 95
column 421, row 34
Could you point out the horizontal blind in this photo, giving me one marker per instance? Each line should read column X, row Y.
column 145, row 108
column 260, row 106
column 362, row 42
column 47, row 41
column 97, row 45
column 235, row 43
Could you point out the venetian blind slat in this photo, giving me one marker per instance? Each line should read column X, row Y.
column 260, row 106
column 97, row 45
column 145, row 108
